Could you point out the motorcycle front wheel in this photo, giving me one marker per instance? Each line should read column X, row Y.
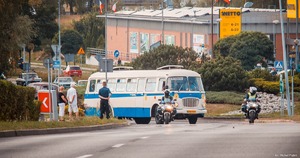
column 167, row 118
column 252, row 116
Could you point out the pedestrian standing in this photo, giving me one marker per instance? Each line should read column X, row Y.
column 62, row 101
column 104, row 94
column 72, row 99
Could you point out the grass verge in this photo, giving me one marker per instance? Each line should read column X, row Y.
column 84, row 121
column 216, row 110
column 224, row 97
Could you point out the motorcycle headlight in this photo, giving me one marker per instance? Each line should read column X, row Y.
column 169, row 108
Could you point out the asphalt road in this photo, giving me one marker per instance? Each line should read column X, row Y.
column 212, row 139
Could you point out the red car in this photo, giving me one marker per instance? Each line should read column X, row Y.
column 73, row 70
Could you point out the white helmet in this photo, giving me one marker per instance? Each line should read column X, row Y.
column 253, row 90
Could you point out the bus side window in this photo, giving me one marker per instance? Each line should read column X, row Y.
column 92, row 85
column 98, row 85
column 141, row 85
column 151, row 84
column 121, row 85
column 161, row 84
column 111, row 84
column 131, row 85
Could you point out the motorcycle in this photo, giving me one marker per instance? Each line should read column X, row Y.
column 165, row 112
column 252, row 111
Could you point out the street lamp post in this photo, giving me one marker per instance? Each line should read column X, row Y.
column 162, row 22
column 275, row 22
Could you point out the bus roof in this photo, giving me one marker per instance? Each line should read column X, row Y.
column 145, row 73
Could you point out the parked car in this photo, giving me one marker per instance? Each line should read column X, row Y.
column 63, row 81
column 42, row 86
column 72, row 70
column 82, row 82
column 26, row 78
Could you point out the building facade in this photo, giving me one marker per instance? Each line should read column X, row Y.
column 134, row 32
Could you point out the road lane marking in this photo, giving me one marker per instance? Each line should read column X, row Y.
column 84, row 156
column 117, row 145
column 144, row 137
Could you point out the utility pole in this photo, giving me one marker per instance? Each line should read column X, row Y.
column 212, row 29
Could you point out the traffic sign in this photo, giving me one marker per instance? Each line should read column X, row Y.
column 44, row 97
column 48, row 62
column 278, row 65
column 116, row 53
column 56, row 49
column 80, row 51
column 56, row 63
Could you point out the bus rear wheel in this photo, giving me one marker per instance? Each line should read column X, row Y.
column 142, row 120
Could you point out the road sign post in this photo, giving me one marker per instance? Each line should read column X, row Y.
column 281, row 89
column 48, row 103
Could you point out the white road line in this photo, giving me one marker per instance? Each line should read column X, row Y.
column 84, row 156
column 144, row 137
column 117, row 145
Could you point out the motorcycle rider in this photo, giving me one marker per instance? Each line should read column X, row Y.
column 167, row 98
column 250, row 96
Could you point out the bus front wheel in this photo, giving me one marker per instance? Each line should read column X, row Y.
column 142, row 120
column 192, row 119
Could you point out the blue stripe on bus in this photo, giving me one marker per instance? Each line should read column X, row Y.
column 122, row 112
column 131, row 112
column 181, row 95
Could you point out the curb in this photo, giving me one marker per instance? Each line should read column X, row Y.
column 14, row 133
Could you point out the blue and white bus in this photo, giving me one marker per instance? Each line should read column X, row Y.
column 135, row 93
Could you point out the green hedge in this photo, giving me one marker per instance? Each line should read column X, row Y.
column 17, row 103
column 265, row 86
column 224, row 97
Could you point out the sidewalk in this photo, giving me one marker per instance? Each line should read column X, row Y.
column 27, row 132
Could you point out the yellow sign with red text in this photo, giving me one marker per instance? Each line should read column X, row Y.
column 230, row 22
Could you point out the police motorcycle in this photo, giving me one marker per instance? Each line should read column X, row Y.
column 251, row 107
column 252, row 110
column 166, row 110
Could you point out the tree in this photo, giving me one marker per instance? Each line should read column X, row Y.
column 167, row 55
column 249, row 47
column 16, row 28
column 71, row 41
column 92, row 30
column 223, row 74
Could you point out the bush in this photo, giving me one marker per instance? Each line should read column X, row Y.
column 265, row 74
column 265, row 86
column 224, row 97
column 223, row 74
column 17, row 103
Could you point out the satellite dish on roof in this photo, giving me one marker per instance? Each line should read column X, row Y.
column 248, row 5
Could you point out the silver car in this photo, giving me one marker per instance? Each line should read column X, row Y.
column 63, row 81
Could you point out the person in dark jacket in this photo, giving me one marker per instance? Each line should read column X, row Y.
column 104, row 94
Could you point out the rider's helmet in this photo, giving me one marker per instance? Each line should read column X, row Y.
column 167, row 93
column 253, row 90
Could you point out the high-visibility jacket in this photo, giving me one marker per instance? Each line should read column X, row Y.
column 251, row 97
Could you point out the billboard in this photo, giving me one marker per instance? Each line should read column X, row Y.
column 198, row 42
column 133, row 42
column 230, row 23
column 144, row 42
column 291, row 9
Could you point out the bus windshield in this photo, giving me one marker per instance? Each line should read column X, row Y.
column 184, row 84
